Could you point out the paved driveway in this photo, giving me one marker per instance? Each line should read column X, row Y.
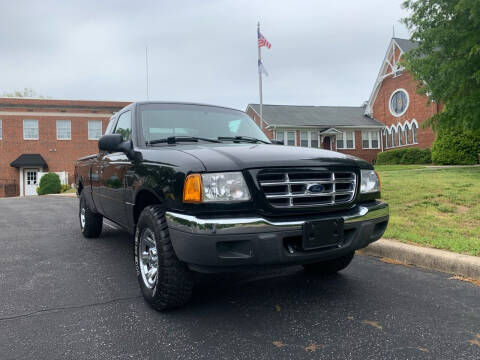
column 63, row 296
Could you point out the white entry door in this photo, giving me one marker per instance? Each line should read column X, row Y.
column 31, row 181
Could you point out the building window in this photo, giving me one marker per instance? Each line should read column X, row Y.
column 291, row 138
column 94, row 129
column 398, row 102
column 30, row 129
column 414, row 133
column 346, row 140
column 314, row 139
column 400, row 136
column 280, row 136
column 394, row 138
column 1, row 129
column 370, row 140
column 304, row 138
column 407, row 135
column 64, row 130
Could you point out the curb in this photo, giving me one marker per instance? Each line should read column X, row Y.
column 433, row 259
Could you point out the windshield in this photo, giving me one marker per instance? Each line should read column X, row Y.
column 160, row 121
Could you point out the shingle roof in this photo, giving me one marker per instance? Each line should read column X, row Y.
column 405, row 44
column 326, row 116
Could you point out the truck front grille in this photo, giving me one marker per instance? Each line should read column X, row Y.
column 296, row 188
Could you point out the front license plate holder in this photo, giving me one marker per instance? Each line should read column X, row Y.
column 322, row 234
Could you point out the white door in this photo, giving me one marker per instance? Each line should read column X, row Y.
column 31, row 181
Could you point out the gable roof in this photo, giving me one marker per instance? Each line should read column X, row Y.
column 404, row 45
column 317, row 116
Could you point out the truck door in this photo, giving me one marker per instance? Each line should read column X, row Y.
column 115, row 167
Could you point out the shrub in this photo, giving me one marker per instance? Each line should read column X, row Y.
column 64, row 187
column 405, row 156
column 49, row 184
column 454, row 146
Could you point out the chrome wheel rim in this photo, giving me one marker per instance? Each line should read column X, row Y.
column 82, row 217
column 148, row 258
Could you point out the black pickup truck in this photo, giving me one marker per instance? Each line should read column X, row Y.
column 201, row 188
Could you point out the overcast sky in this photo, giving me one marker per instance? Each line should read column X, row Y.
column 323, row 52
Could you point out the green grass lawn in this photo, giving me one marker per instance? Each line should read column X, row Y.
column 433, row 207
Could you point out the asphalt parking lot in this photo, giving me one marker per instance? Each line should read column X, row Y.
column 63, row 296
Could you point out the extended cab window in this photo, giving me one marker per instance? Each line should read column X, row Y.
column 124, row 125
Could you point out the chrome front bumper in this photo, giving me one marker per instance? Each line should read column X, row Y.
column 248, row 225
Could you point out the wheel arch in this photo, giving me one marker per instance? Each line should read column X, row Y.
column 143, row 198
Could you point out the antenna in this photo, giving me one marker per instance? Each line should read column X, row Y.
column 146, row 68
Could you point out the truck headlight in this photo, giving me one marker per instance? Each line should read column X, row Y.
column 215, row 187
column 369, row 181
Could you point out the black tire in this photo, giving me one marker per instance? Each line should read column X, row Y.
column 330, row 266
column 173, row 284
column 92, row 227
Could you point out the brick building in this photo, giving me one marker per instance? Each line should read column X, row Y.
column 38, row 135
column 390, row 119
column 340, row 128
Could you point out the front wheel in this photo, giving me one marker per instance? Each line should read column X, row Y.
column 165, row 281
column 90, row 222
column 330, row 266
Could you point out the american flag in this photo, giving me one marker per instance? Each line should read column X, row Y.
column 262, row 41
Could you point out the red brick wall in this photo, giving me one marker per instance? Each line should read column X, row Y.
column 417, row 108
column 256, row 118
column 60, row 155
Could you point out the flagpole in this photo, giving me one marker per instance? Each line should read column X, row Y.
column 260, row 78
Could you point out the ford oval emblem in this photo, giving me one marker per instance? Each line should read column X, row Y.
column 315, row 188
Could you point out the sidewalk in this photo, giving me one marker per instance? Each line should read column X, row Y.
column 434, row 259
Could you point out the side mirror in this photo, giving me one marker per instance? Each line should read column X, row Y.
column 115, row 143
column 110, row 142
column 277, row 142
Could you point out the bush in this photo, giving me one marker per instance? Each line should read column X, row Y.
column 64, row 187
column 49, row 184
column 405, row 156
column 454, row 146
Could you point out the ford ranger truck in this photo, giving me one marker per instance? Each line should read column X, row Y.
column 202, row 189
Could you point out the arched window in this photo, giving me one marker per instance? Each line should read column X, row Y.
column 400, row 135
column 394, row 138
column 407, row 135
column 414, row 133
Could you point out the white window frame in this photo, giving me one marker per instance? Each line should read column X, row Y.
column 414, row 134
column 63, row 128
column 307, row 139
column 285, row 136
column 344, row 140
column 1, row 129
column 89, row 128
column 310, row 139
column 368, row 134
column 390, row 102
column 37, row 127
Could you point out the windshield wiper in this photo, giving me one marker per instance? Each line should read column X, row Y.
column 242, row 138
column 175, row 139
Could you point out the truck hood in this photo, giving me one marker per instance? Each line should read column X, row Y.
column 228, row 157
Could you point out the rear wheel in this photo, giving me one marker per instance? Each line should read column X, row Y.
column 90, row 222
column 330, row 266
column 165, row 281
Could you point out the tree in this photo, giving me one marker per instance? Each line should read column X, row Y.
column 446, row 62
column 25, row 93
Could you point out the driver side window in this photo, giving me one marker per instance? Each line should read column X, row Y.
column 124, row 125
